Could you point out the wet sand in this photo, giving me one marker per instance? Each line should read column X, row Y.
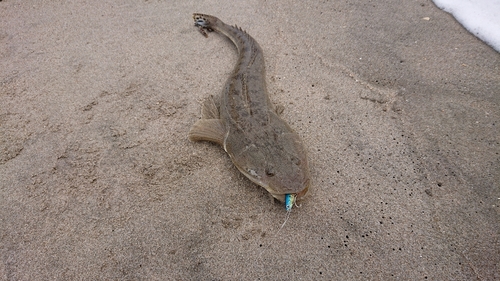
column 397, row 104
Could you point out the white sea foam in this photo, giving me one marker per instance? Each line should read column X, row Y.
column 479, row 17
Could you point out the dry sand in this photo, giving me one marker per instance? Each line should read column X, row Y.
column 399, row 114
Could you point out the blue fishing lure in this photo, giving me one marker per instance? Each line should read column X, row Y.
column 289, row 201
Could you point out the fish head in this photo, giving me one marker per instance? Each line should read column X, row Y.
column 279, row 171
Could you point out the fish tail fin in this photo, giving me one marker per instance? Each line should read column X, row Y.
column 205, row 23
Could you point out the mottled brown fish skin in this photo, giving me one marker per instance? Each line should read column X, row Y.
column 261, row 145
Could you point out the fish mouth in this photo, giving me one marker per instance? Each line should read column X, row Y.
column 257, row 181
column 279, row 196
column 282, row 197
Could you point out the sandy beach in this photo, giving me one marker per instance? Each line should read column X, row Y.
column 397, row 104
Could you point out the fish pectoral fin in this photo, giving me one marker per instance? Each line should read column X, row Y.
column 210, row 109
column 212, row 130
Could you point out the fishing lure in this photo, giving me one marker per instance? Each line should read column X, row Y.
column 289, row 201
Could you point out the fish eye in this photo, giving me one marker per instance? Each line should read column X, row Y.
column 269, row 172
